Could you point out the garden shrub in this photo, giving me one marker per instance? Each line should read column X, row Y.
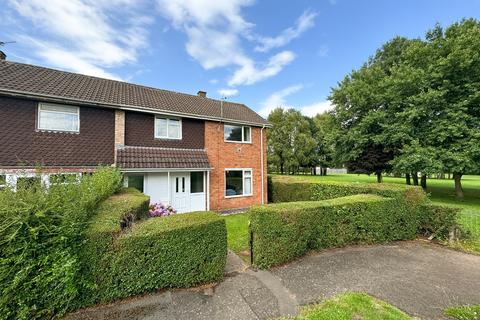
column 438, row 221
column 285, row 231
column 174, row 251
column 40, row 237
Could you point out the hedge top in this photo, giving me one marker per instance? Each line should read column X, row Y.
column 113, row 209
column 376, row 186
column 174, row 222
column 358, row 198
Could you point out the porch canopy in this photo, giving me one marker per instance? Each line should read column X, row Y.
column 156, row 159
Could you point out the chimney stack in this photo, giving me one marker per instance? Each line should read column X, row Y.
column 3, row 56
column 202, row 94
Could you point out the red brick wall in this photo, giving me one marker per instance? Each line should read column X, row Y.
column 23, row 145
column 234, row 155
column 139, row 131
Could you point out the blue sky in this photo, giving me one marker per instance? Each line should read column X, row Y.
column 262, row 53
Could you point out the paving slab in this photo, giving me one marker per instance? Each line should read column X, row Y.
column 420, row 278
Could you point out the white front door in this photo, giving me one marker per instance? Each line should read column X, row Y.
column 180, row 186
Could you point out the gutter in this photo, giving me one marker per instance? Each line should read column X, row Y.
column 53, row 98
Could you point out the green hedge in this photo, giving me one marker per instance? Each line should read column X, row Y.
column 40, row 239
column 285, row 231
column 288, row 189
column 176, row 251
column 437, row 221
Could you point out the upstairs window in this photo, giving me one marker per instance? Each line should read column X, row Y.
column 57, row 117
column 236, row 133
column 166, row 128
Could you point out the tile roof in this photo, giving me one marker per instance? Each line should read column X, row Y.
column 161, row 158
column 29, row 80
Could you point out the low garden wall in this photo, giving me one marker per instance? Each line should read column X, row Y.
column 174, row 251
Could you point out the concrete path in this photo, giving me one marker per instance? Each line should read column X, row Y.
column 417, row 277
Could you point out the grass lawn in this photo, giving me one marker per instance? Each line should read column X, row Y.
column 441, row 192
column 464, row 313
column 350, row 306
column 237, row 233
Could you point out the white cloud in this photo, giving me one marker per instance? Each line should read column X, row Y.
column 83, row 35
column 316, row 108
column 304, row 22
column 323, row 51
column 227, row 93
column 215, row 30
column 248, row 73
column 277, row 99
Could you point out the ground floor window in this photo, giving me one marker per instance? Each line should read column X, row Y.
column 196, row 182
column 28, row 182
column 3, row 181
column 63, row 178
column 238, row 182
column 136, row 182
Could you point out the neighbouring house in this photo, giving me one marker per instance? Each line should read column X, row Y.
column 189, row 151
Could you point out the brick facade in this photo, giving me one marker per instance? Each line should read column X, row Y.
column 23, row 145
column 139, row 131
column 223, row 155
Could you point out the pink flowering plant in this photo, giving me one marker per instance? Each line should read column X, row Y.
column 161, row 210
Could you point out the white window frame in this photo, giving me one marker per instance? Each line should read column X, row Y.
column 43, row 104
column 157, row 118
column 243, row 182
column 4, row 185
column 243, row 133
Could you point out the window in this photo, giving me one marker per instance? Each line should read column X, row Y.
column 3, row 181
column 237, row 133
column 56, row 117
column 28, row 182
column 63, row 178
column 238, row 182
column 196, row 182
column 135, row 182
column 166, row 128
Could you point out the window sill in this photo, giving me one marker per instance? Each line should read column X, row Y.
column 242, row 142
column 239, row 196
column 57, row 131
column 165, row 138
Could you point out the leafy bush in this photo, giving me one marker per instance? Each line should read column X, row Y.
column 437, row 221
column 285, row 231
column 175, row 251
column 464, row 312
column 40, row 237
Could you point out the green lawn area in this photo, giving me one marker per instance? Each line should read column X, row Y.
column 350, row 306
column 464, row 313
column 237, row 233
column 441, row 192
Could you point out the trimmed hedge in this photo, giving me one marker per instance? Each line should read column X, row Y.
column 285, row 231
column 288, row 189
column 438, row 221
column 176, row 251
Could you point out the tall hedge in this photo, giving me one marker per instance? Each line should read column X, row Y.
column 40, row 237
column 437, row 220
column 176, row 251
column 285, row 231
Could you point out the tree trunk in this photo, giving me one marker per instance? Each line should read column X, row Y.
column 282, row 169
column 415, row 178
column 423, row 181
column 407, row 179
column 458, row 185
column 379, row 177
column 314, row 170
column 324, row 171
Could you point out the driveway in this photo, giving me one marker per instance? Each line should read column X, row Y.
column 417, row 277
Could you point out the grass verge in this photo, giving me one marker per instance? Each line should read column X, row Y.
column 352, row 305
column 237, row 233
column 464, row 313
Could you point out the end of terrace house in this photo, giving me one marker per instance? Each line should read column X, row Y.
column 189, row 151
